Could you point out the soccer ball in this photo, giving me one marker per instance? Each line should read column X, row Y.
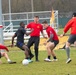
column 25, row 62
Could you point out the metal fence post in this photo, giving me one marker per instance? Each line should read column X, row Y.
column 1, row 26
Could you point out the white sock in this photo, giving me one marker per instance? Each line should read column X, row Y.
column 8, row 60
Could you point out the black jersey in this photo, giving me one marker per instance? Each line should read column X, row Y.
column 20, row 34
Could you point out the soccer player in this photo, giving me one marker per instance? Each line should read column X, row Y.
column 72, row 38
column 51, row 43
column 35, row 35
column 4, row 54
column 20, row 40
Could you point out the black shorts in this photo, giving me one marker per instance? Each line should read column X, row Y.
column 19, row 45
column 0, row 55
column 55, row 42
column 72, row 38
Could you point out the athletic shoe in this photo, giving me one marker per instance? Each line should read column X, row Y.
column 11, row 62
column 37, row 60
column 48, row 60
column 68, row 60
column 29, row 60
column 61, row 48
column 55, row 60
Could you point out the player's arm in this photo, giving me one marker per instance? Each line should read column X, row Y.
column 62, row 34
column 28, row 33
column 67, row 27
column 13, row 39
column 31, row 30
column 42, row 32
column 50, row 38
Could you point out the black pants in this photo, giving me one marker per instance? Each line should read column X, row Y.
column 34, row 40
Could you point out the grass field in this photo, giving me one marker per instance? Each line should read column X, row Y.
column 39, row 68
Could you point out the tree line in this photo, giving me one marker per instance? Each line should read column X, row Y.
column 39, row 5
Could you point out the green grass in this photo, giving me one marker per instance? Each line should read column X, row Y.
column 39, row 68
column 60, row 31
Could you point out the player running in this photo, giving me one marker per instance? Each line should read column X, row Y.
column 51, row 43
column 20, row 40
column 72, row 38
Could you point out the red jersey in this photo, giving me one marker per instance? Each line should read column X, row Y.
column 3, row 47
column 71, row 24
column 37, row 28
column 50, row 31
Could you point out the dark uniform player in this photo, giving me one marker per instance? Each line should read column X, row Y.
column 52, row 42
column 71, row 24
column 20, row 39
column 35, row 35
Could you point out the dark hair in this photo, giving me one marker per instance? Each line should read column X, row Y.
column 37, row 16
column 21, row 23
column 44, row 22
column 74, row 14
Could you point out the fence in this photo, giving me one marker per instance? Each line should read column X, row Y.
column 26, row 17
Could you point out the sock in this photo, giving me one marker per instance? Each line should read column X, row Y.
column 68, row 52
column 54, row 57
column 8, row 60
column 27, row 58
column 48, row 57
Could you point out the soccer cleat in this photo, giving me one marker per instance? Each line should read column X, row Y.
column 11, row 62
column 55, row 60
column 37, row 60
column 48, row 60
column 29, row 60
column 61, row 48
column 68, row 60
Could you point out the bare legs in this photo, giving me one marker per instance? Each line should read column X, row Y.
column 50, row 51
column 4, row 54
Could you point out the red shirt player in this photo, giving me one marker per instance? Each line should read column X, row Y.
column 4, row 54
column 72, row 39
column 52, row 42
column 35, row 35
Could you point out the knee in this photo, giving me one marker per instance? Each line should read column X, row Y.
column 50, row 45
column 47, row 46
column 3, row 53
column 67, row 44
